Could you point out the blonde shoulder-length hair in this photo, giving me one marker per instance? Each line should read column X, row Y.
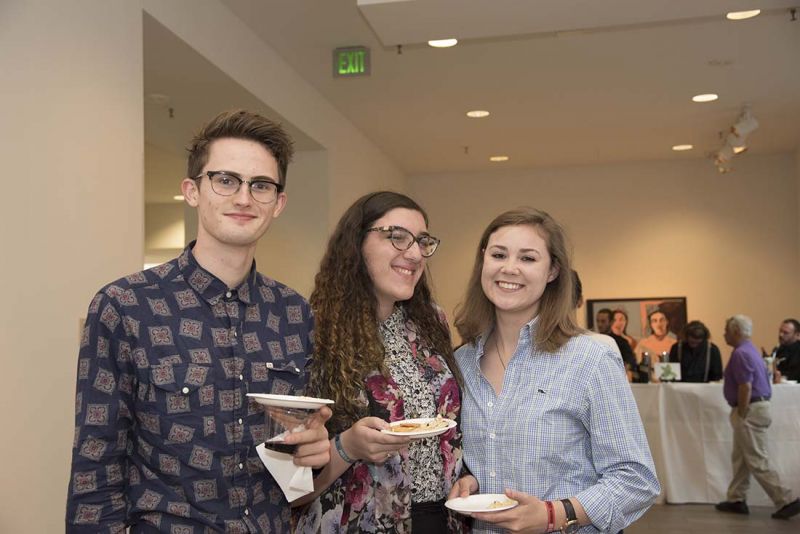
column 476, row 314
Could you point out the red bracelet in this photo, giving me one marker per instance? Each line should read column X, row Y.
column 551, row 516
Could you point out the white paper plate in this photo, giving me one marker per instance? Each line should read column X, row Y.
column 423, row 433
column 480, row 502
column 289, row 401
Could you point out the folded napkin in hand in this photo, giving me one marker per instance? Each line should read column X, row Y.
column 295, row 481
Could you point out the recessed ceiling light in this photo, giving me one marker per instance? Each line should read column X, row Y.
column 680, row 148
column 178, row 197
column 741, row 15
column 477, row 114
column 443, row 43
column 707, row 97
column 498, row 158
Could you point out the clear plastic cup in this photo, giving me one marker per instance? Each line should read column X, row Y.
column 280, row 422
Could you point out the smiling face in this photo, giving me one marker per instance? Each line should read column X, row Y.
column 394, row 274
column 236, row 220
column 659, row 324
column 516, row 270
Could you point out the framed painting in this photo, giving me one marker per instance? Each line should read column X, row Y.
column 637, row 312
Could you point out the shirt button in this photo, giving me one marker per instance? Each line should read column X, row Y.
column 246, row 511
column 490, row 404
column 241, row 466
column 491, row 474
column 235, row 334
column 241, row 377
column 491, row 435
column 185, row 390
column 228, row 294
column 240, row 420
column 269, row 365
column 296, row 370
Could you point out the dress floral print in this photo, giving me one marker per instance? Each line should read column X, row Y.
column 377, row 498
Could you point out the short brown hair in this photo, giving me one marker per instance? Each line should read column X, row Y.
column 556, row 312
column 241, row 124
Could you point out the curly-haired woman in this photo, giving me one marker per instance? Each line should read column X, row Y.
column 383, row 353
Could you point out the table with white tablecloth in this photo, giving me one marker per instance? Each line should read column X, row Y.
column 691, row 439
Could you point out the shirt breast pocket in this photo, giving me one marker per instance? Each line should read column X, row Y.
column 274, row 379
column 179, row 399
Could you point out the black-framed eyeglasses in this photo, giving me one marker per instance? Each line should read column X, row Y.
column 402, row 239
column 226, row 183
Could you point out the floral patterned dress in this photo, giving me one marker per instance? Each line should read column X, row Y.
column 377, row 498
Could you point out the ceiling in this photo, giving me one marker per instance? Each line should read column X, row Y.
column 181, row 90
column 566, row 83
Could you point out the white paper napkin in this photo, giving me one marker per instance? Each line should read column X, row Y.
column 295, row 481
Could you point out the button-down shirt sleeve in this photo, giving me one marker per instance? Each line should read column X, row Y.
column 103, row 418
column 619, row 449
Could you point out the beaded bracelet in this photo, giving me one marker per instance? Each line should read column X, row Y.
column 337, row 442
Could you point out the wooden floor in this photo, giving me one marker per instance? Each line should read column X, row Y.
column 704, row 519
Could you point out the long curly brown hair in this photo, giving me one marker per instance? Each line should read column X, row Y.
column 347, row 346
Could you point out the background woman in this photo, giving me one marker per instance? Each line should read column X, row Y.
column 548, row 414
column 383, row 353
column 619, row 325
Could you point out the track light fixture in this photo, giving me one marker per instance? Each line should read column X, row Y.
column 734, row 141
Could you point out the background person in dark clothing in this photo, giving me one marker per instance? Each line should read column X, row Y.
column 787, row 353
column 619, row 325
column 700, row 359
column 604, row 327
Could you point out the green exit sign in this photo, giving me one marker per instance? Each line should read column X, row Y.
column 351, row 61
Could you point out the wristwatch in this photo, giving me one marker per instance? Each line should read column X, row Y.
column 571, row 525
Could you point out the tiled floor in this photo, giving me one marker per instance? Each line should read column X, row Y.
column 703, row 519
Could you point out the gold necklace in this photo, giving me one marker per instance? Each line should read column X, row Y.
column 497, row 348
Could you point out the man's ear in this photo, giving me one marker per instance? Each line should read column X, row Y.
column 280, row 203
column 190, row 191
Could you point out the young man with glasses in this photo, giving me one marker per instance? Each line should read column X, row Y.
column 165, row 435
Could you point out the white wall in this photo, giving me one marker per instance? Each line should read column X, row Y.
column 797, row 181
column 291, row 249
column 164, row 226
column 729, row 243
column 355, row 165
column 71, row 129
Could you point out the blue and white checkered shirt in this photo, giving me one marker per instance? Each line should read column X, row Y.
column 565, row 425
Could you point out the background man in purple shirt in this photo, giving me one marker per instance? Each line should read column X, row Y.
column 747, row 390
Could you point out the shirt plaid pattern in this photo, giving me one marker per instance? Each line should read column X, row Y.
column 566, row 424
column 165, row 436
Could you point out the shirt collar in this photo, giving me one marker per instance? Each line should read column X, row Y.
column 208, row 286
column 526, row 334
column 395, row 323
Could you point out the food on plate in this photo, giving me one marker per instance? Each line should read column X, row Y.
column 407, row 426
column 501, row 504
